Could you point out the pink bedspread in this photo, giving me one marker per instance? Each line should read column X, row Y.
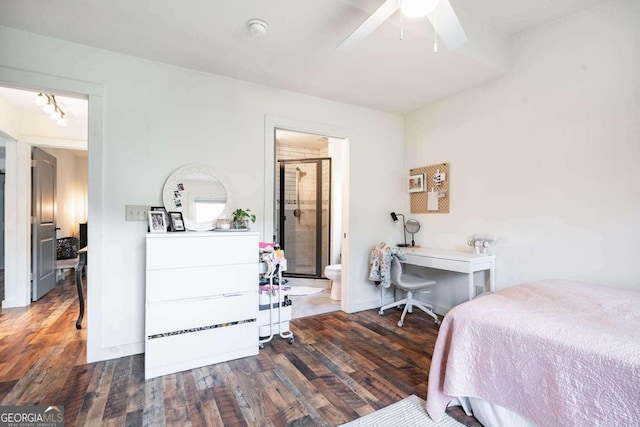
column 560, row 353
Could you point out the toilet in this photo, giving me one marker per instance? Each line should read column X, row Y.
column 333, row 272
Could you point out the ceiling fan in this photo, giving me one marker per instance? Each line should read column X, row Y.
column 439, row 12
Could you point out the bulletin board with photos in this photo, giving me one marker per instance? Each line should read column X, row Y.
column 433, row 195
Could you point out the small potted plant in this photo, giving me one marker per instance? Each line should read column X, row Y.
column 241, row 218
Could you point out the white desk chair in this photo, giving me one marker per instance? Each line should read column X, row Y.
column 409, row 283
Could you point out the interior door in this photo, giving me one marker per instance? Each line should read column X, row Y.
column 43, row 234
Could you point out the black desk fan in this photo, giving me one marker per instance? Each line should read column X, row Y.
column 412, row 226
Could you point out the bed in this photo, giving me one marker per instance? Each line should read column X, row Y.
column 548, row 353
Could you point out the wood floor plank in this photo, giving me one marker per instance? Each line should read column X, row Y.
column 135, row 389
column 95, row 400
column 133, row 419
column 194, row 405
column 285, row 408
column 228, row 407
column 6, row 387
column 118, row 397
column 72, row 393
column 210, row 408
column 153, row 412
column 340, row 367
column 175, row 401
column 304, row 387
column 249, row 395
column 339, row 396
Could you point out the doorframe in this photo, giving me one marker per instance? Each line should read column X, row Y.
column 272, row 123
column 18, row 267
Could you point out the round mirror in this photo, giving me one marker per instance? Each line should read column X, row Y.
column 200, row 193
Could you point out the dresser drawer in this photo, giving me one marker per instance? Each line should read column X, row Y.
column 163, row 285
column 191, row 350
column 201, row 250
column 174, row 316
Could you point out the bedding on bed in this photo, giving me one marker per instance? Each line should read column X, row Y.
column 560, row 353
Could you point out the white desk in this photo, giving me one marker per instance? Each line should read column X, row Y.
column 461, row 262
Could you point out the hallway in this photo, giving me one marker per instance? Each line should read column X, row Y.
column 40, row 346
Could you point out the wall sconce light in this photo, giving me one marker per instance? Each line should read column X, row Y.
column 394, row 217
column 50, row 106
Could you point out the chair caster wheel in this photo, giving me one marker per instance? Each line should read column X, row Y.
column 261, row 346
column 381, row 313
column 400, row 324
column 291, row 340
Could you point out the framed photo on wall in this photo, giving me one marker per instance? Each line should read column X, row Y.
column 176, row 221
column 415, row 183
column 157, row 222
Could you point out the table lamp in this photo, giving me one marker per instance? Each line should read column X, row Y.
column 394, row 217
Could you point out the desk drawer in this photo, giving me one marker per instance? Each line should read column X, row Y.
column 439, row 263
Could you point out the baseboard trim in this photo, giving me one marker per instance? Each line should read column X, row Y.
column 108, row 353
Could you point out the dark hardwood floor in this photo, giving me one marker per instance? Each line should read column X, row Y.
column 341, row 366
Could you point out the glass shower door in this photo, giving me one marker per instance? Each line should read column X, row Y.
column 303, row 213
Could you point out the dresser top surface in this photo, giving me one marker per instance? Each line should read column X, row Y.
column 182, row 234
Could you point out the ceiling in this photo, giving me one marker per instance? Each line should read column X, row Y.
column 301, row 139
column 298, row 51
column 76, row 116
column 23, row 101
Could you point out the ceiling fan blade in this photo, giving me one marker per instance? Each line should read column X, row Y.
column 376, row 19
column 447, row 25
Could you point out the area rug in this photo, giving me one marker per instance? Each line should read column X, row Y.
column 409, row 412
column 304, row 290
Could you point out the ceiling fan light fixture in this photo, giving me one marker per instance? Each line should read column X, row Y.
column 417, row 8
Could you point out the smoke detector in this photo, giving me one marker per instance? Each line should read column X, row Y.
column 257, row 27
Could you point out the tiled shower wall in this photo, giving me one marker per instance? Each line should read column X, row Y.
column 300, row 231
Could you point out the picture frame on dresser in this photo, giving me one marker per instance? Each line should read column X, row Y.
column 157, row 222
column 166, row 215
column 176, row 221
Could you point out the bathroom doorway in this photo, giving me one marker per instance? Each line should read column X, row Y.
column 304, row 215
column 307, row 221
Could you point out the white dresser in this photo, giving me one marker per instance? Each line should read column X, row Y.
column 201, row 299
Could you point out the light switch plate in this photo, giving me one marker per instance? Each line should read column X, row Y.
column 136, row 213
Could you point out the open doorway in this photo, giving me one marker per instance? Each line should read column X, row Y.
column 308, row 217
column 56, row 126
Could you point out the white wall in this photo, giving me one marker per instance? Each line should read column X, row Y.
column 157, row 118
column 9, row 119
column 548, row 157
column 336, row 148
column 71, row 191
